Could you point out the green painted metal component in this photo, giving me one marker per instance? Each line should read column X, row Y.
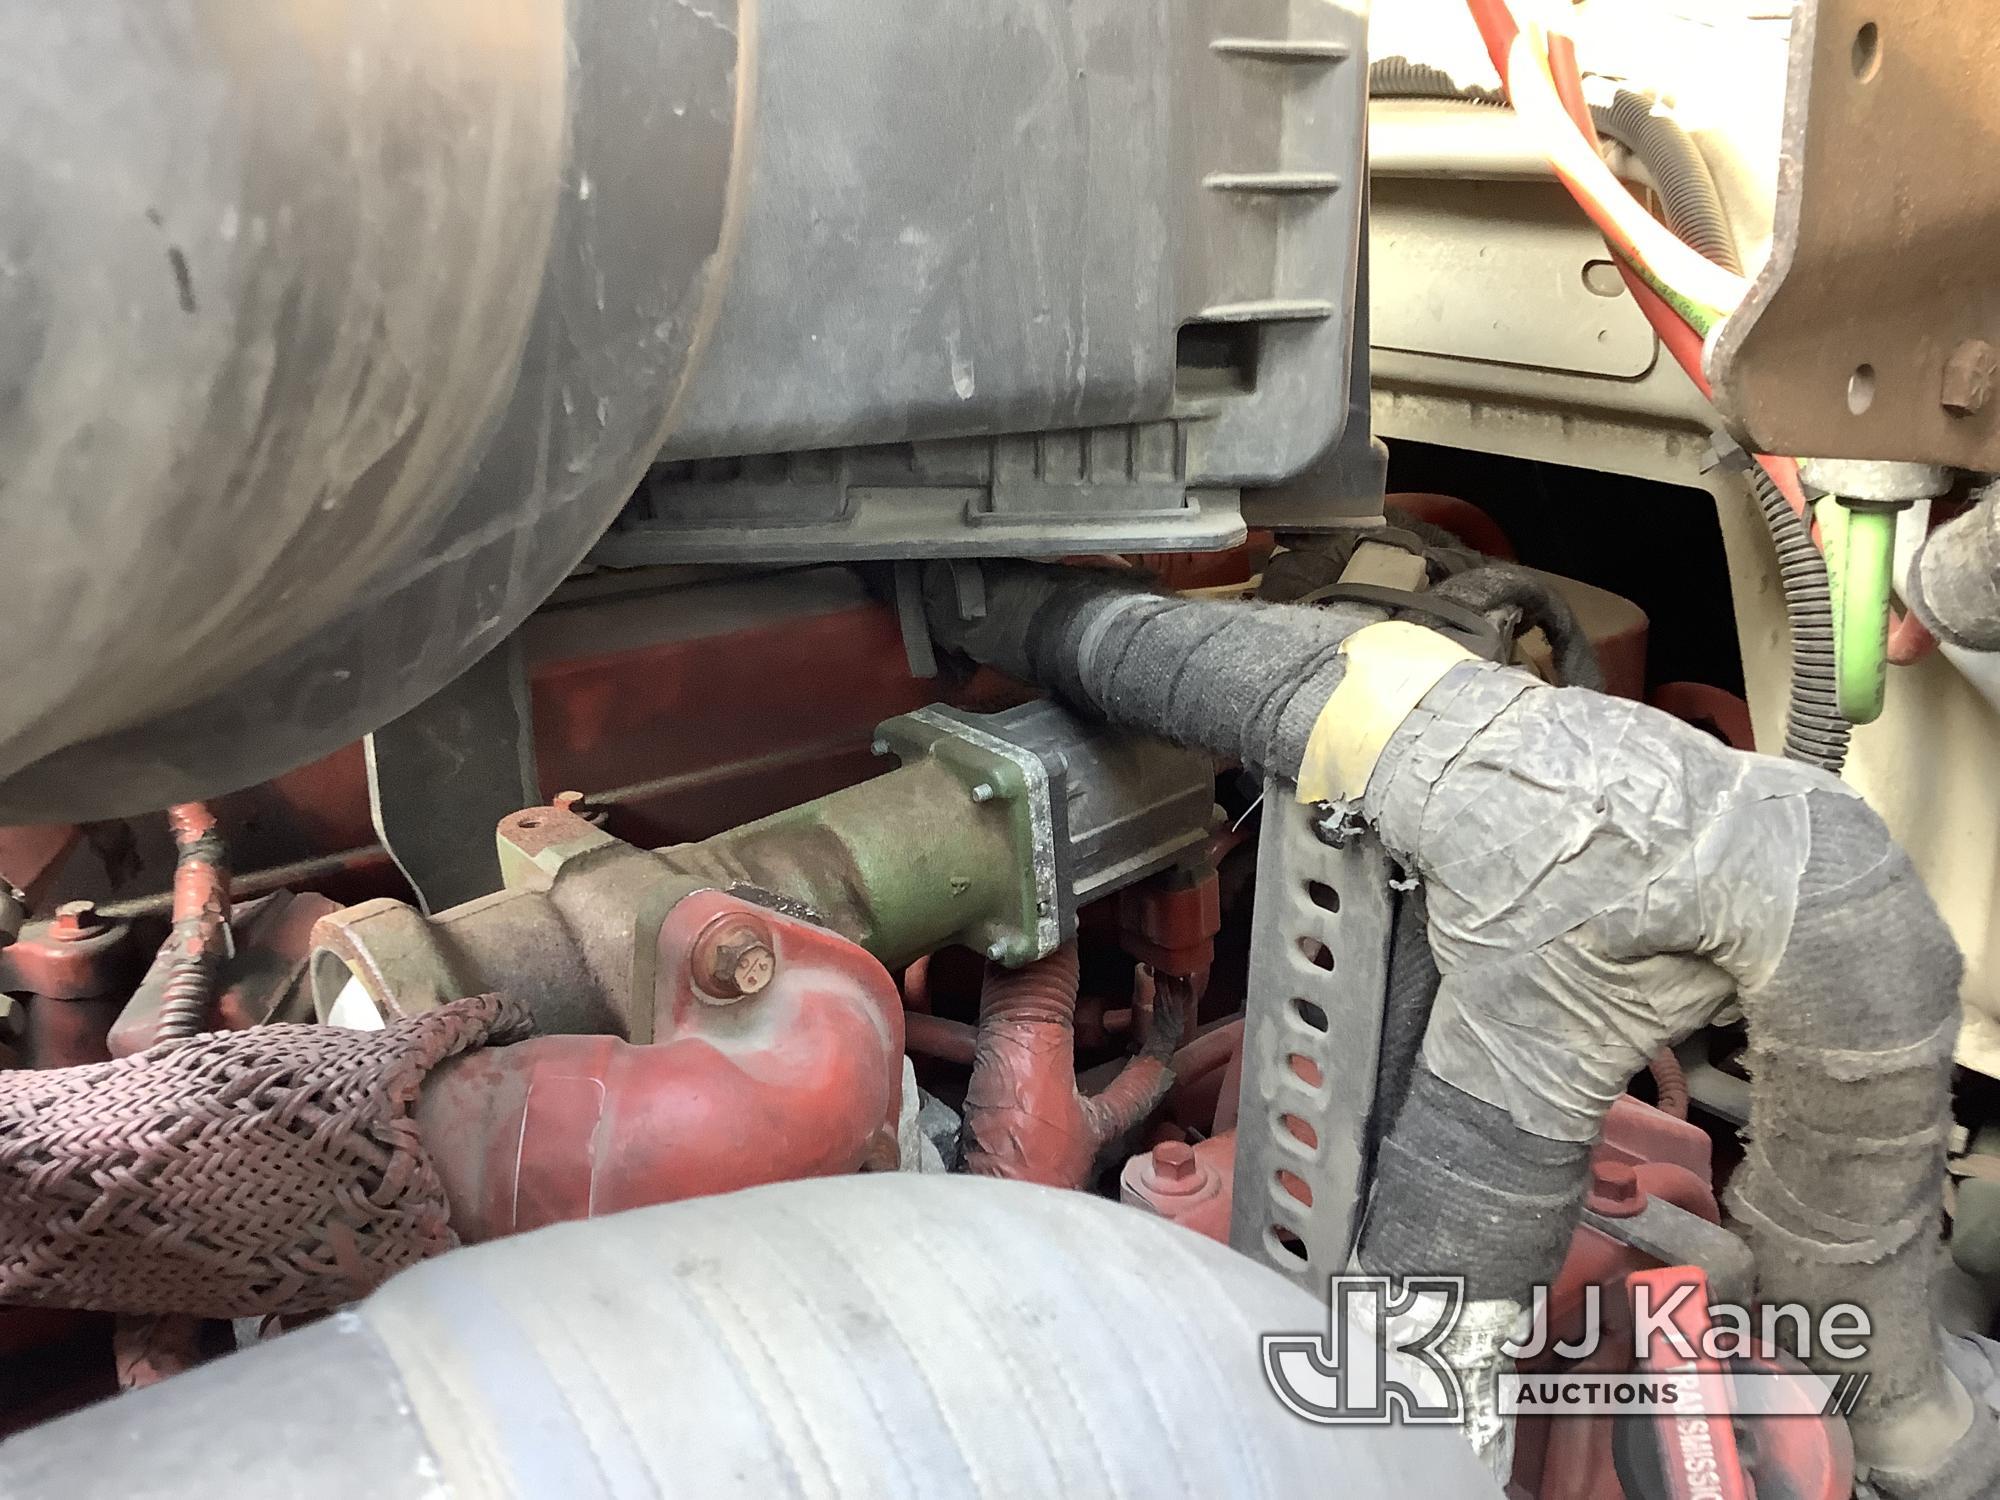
column 991, row 834
column 903, row 864
column 1859, row 539
column 1012, row 786
column 996, row 829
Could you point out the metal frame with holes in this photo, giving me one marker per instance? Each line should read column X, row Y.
column 1319, row 966
column 1870, row 330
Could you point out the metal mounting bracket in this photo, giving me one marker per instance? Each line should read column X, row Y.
column 1319, row 975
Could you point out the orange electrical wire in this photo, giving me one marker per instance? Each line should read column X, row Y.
column 1674, row 331
column 1569, row 85
column 1497, row 28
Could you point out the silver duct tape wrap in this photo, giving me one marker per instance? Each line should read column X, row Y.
column 1600, row 883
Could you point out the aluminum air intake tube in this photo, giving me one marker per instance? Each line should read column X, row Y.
column 1600, row 879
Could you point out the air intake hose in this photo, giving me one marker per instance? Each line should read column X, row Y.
column 1954, row 585
column 895, row 1337
column 1601, row 879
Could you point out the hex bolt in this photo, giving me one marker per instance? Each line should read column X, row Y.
column 996, row 950
column 1175, row 1169
column 1968, row 378
column 75, row 920
column 1614, row 1190
column 879, row 747
column 732, row 959
column 983, row 792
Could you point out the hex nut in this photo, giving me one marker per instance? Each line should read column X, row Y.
column 1968, row 378
column 733, row 959
column 1175, row 1169
column 1614, row 1190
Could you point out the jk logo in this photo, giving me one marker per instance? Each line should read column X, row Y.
column 1378, row 1360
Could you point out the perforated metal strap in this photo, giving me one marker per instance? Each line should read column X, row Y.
column 1319, row 969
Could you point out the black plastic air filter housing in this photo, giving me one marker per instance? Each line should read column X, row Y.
column 334, row 335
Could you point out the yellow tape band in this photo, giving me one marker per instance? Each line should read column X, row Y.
column 1390, row 666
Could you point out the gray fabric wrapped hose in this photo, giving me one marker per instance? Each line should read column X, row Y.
column 1954, row 584
column 1601, row 878
column 888, row 1337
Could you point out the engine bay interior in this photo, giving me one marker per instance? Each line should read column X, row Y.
column 1008, row 749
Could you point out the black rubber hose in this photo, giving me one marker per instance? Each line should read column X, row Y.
column 1688, row 195
column 1815, row 729
column 1680, row 175
column 1310, row 561
column 1402, row 78
column 1500, row 586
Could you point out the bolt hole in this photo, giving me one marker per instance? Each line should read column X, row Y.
column 1309, row 1013
column 1324, row 896
column 1866, row 54
column 1294, row 1188
column 1286, row 1248
column 1305, row 1070
column 1301, row 1132
column 1316, row 953
column 1861, row 389
column 1601, row 279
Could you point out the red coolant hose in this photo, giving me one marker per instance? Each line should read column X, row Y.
column 1024, row 1118
column 199, row 940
